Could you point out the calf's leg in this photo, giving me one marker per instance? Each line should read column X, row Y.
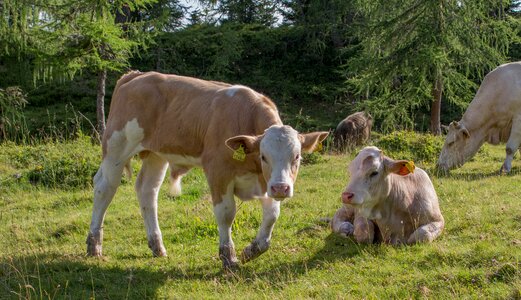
column 224, row 211
column 148, row 184
column 342, row 222
column 513, row 143
column 364, row 230
column 106, row 182
column 119, row 149
column 261, row 243
column 426, row 233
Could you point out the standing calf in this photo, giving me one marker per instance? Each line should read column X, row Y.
column 388, row 200
column 234, row 133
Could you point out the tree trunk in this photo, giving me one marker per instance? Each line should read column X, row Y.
column 100, row 102
column 437, row 91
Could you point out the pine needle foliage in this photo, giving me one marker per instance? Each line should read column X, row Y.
column 62, row 37
column 406, row 47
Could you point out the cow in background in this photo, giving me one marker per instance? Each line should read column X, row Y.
column 234, row 133
column 388, row 200
column 353, row 131
column 493, row 116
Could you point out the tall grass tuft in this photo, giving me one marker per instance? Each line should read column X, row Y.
column 12, row 121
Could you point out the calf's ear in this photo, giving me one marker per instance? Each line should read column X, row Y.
column 312, row 141
column 465, row 132
column 249, row 143
column 400, row 167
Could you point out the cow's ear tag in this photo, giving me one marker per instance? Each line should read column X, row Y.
column 318, row 147
column 239, row 154
column 407, row 168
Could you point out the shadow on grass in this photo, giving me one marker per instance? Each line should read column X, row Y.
column 78, row 277
column 53, row 275
column 475, row 175
column 336, row 248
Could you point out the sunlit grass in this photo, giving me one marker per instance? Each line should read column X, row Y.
column 43, row 234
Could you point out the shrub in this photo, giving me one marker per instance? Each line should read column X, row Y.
column 411, row 145
column 69, row 164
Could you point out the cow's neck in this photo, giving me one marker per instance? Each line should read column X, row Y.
column 479, row 130
column 379, row 210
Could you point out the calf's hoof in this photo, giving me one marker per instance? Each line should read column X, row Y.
column 505, row 168
column 346, row 229
column 253, row 251
column 228, row 257
column 158, row 250
column 93, row 245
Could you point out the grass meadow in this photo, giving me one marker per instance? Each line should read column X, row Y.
column 45, row 215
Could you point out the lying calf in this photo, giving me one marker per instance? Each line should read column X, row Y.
column 389, row 201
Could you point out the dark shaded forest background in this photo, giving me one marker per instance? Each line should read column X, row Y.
column 318, row 60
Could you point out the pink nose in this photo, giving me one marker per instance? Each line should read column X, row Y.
column 347, row 197
column 280, row 190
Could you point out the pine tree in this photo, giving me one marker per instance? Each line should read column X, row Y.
column 414, row 53
column 62, row 37
column 244, row 11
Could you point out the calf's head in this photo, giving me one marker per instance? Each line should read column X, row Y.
column 279, row 150
column 456, row 148
column 369, row 177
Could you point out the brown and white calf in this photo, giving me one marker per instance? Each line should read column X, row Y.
column 185, row 122
column 384, row 201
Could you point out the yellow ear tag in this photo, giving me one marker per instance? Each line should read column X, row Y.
column 239, row 154
column 410, row 166
column 318, row 147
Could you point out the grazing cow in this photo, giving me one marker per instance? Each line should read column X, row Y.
column 353, row 130
column 493, row 116
column 388, row 200
column 234, row 133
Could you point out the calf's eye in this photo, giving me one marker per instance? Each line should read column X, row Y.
column 263, row 158
column 297, row 157
column 373, row 174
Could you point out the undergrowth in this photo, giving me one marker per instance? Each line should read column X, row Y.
column 423, row 148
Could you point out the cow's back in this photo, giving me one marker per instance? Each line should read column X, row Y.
column 498, row 97
column 183, row 115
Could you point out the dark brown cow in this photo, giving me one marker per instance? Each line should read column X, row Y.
column 353, row 131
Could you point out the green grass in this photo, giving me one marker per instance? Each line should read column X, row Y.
column 43, row 230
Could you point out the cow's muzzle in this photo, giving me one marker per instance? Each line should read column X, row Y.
column 280, row 191
column 347, row 197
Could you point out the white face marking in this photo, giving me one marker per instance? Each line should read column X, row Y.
column 280, row 156
column 366, row 178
